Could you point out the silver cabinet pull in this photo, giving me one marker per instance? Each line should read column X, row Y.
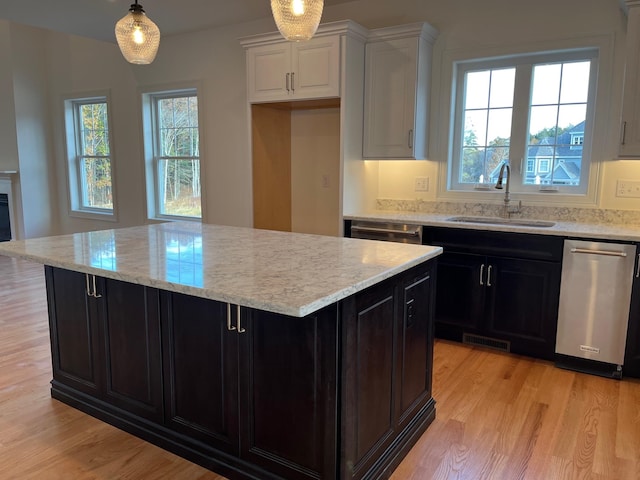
column 293, row 87
column 481, row 274
column 229, row 326
column 489, row 275
column 410, row 140
column 95, row 291
column 638, row 267
column 624, row 133
column 288, row 74
column 610, row 253
column 91, row 286
column 240, row 329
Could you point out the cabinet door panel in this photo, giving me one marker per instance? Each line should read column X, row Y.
column 267, row 67
column 460, row 294
column 521, row 306
column 368, row 414
column 632, row 351
column 315, row 68
column 416, row 349
column 289, row 368
column 201, row 358
column 75, row 343
column 132, row 333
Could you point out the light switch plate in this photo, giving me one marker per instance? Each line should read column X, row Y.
column 628, row 188
column 422, row 184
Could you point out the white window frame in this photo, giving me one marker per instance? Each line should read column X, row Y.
column 75, row 190
column 151, row 141
column 598, row 135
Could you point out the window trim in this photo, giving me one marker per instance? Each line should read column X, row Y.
column 148, row 97
column 444, row 89
column 70, row 103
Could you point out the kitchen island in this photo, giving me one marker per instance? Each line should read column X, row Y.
column 254, row 353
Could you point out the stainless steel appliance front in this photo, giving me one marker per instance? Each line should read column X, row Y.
column 595, row 294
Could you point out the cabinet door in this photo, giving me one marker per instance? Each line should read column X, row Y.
column 316, row 68
column 289, row 392
column 630, row 135
column 390, row 98
column 632, row 352
column 131, row 332
column 267, row 69
column 201, row 370
column 460, row 294
column 368, row 415
column 75, row 332
column 415, row 349
column 522, row 304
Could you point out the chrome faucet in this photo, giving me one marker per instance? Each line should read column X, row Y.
column 508, row 209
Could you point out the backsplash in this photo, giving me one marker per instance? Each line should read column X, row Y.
column 559, row 214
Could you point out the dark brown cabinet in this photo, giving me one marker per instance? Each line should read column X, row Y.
column 498, row 289
column 341, row 393
column 105, row 338
column 632, row 351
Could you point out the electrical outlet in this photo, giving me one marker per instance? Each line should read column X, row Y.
column 628, row 188
column 325, row 181
column 422, row 184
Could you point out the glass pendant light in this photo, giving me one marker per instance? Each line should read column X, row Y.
column 137, row 36
column 297, row 19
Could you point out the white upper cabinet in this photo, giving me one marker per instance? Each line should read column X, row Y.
column 396, row 109
column 294, row 71
column 630, row 126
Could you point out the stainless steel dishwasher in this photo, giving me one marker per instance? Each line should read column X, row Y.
column 595, row 293
column 386, row 231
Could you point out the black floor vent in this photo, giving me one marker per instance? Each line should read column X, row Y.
column 480, row 341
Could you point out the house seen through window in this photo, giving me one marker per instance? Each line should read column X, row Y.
column 532, row 111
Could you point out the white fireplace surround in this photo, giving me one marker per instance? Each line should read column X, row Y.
column 6, row 186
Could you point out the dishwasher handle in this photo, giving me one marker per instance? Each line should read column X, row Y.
column 609, row 253
column 410, row 233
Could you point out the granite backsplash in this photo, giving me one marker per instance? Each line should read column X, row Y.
column 560, row 214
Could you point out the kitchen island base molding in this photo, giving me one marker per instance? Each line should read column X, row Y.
column 342, row 393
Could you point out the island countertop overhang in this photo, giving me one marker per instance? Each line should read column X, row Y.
column 281, row 272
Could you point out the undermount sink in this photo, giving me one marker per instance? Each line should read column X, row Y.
column 520, row 222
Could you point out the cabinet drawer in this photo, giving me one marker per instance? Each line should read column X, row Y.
column 505, row 244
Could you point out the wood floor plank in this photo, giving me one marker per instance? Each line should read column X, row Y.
column 498, row 416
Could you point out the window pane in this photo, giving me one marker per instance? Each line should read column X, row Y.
column 556, row 131
column 475, row 127
column 499, row 129
column 96, row 183
column 502, row 85
column 94, row 129
column 575, row 82
column 179, row 187
column 477, row 89
column 546, row 84
column 178, row 120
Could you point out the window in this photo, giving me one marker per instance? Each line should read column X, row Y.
column 173, row 154
column 534, row 111
column 89, row 155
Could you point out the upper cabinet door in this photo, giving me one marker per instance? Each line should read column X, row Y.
column 397, row 70
column 316, row 68
column 267, row 67
column 630, row 134
column 285, row 71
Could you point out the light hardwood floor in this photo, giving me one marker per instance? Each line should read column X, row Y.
column 498, row 416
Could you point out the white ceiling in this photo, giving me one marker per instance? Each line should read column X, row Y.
column 96, row 18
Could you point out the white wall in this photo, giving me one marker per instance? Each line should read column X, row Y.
column 216, row 60
column 37, row 193
column 8, row 140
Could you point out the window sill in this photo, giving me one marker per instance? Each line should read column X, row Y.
column 94, row 215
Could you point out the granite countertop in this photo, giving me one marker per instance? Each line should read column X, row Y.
column 561, row 228
column 287, row 273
